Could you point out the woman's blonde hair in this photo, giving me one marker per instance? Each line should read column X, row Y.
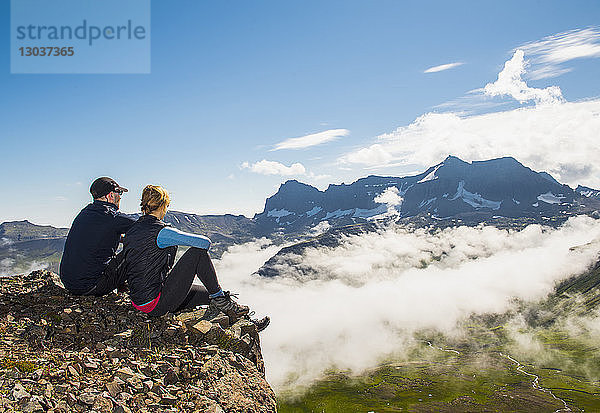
column 154, row 197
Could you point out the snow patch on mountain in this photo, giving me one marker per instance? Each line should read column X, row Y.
column 474, row 199
column 368, row 213
column 338, row 213
column 588, row 194
column 425, row 203
column 279, row 213
column 314, row 211
column 431, row 176
column 356, row 212
column 550, row 198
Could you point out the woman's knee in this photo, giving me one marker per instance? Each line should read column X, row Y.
column 201, row 252
column 195, row 252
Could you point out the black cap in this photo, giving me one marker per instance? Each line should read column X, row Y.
column 104, row 186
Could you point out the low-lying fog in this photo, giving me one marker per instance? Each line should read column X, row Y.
column 368, row 296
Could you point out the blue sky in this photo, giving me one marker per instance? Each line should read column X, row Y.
column 230, row 80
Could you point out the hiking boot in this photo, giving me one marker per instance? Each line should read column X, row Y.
column 262, row 323
column 231, row 309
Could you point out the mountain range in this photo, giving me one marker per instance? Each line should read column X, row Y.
column 500, row 191
column 453, row 188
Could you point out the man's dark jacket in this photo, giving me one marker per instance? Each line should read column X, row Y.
column 92, row 241
column 146, row 265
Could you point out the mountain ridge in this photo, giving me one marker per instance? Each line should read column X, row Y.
column 500, row 191
column 452, row 188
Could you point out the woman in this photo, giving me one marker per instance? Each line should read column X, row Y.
column 156, row 286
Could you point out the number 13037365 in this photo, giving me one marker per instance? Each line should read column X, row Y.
column 46, row 51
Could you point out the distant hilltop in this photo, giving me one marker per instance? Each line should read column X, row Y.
column 16, row 231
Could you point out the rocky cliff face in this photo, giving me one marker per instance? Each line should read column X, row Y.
column 60, row 353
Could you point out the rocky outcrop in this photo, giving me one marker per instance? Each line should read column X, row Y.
column 60, row 353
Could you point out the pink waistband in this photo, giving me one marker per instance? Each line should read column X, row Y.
column 146, row 308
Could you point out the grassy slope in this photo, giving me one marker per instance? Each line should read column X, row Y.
column 473, row 381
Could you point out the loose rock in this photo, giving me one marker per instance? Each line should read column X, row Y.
column 65, row 353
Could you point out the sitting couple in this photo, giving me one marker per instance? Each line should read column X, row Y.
column 157, row 284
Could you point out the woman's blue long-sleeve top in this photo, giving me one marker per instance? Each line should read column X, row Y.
column 168, row 237
column 149, row 256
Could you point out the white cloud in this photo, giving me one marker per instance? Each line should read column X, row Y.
column 555, row 136
column 546, row 72
column 8, row 267
column 549, row 53
column 473, row 103
column 6, row 263
column 320, row 228
column 318, row 177
column 367, row 296
column 510, row 83
column 376, row 154
column 391, row 165
column 311, row 140
column 560, row 139
column 545, row 58
column 440, row 68
column 390, row 197
column 265, row 167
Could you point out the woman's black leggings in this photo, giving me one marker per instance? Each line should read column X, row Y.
column 178, row 293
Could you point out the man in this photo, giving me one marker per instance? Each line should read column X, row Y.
column 89, row 265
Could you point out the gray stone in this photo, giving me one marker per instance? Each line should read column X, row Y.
column 113, row 388
column 222, row 320
column 125, row 373
column 202, row 327
column 148, row 385
column 120, row 408
column 91, row 365
column 136, row 384
column 168, row 399
column 19, row 392
column 191, row 316
column 73, row 371
column 215, row 334
column 102, row 404
column 87, row 398
column 33, row 406
column 171, row 377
